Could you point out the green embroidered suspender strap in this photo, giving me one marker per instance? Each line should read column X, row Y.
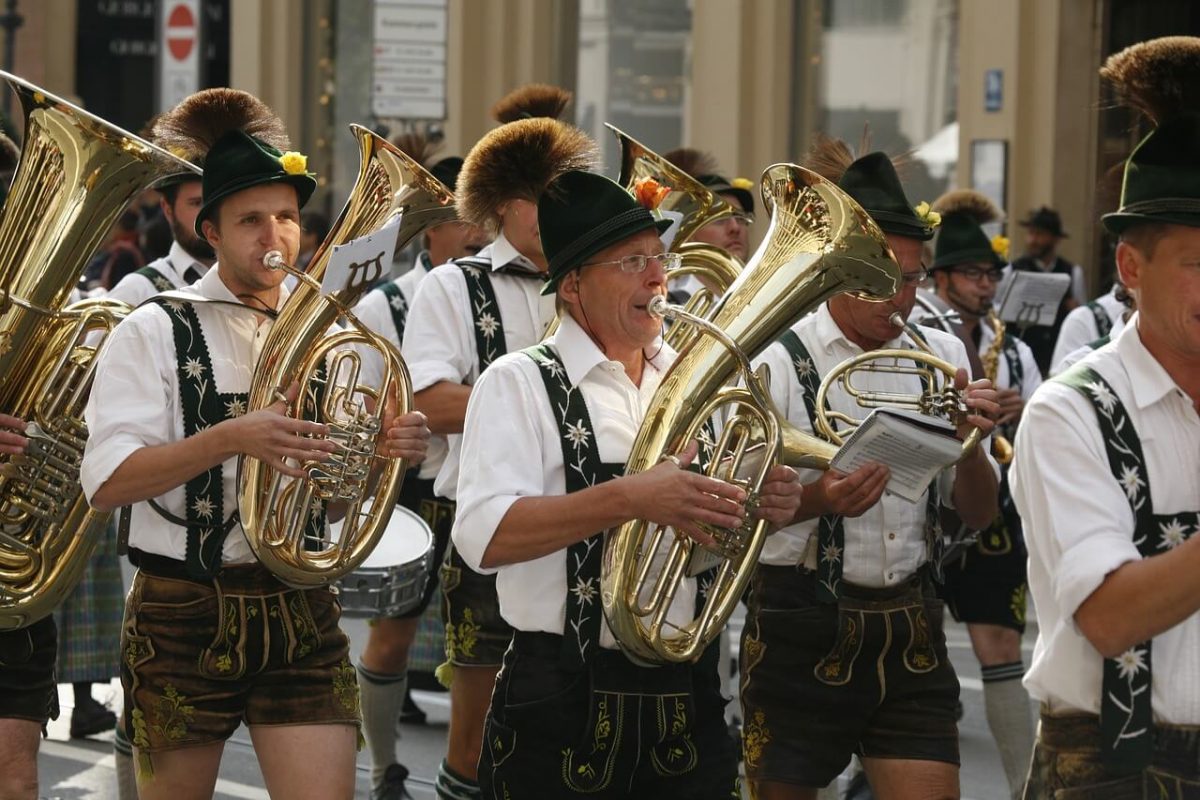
column 1126, row 714
column 160, row 281
column 1126, row 710
column 202, row 407
column 1098, row 343
column 397, row 304
column 1103, row 323
column 583, row 467
column 1012, row 355
column 831, row 532
column 485, row 311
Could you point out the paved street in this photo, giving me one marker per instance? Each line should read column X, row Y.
column 83, row 769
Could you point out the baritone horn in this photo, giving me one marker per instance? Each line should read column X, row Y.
column 284, row 517
column 77, row 173
column 820, row 243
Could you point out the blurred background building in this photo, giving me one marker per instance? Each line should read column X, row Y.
column 1001, row 96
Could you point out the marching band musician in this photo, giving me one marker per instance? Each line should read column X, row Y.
column 28, row 690
column 210, row 637
column 1095, row 319
column 1107, row 480
column 383, row 666
column 465, row 315
column 572, row 716
column 732, row 233
column 190, row 255
column 985, row 583
column 843, row 650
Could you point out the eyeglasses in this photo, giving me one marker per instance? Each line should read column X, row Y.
column 637, row 263
column 743, row 219
column 914, row 278
column 993, row 274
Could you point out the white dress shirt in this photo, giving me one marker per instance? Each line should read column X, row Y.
column 439, row 339
column 136, row 289
column 1079, row 527
column 886, row 545
column 513, row 449
column 1079, row 329
column 1031, row 376
column 135, row 403
column 375, row 312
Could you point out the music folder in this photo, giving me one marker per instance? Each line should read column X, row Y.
column 1031, row 298
column 915, row 447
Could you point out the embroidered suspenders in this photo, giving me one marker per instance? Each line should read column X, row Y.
column 155, row 277
column 202, row 407
column 1126, row 715
column 1103, row 323
column 831, row 533
column 397, row 305
column 485, row 311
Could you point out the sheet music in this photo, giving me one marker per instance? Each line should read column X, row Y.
column 362, row 261
column 915, row 454
column 1032, row 298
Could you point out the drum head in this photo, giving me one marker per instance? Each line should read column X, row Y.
column 406, row 539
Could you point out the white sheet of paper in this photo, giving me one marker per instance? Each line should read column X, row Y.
column 361, row 261
column 913, row 456
column 668, row 236
column 1032, row 298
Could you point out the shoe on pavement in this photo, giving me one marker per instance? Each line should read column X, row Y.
column 392, row 787
column 90, row 719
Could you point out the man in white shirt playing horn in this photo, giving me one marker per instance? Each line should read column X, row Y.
column 547, row 434
column 1107, row 480
column 843, row 650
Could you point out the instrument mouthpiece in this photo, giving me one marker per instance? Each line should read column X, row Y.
column 658, row 306
column 274, row 260
column 896, row 319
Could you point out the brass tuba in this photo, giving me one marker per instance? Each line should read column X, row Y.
column 77, row 173
column 820, row 243
column 278, row 512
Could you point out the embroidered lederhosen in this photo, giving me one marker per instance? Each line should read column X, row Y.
column 1103, row 323
column 155, row 277
column 590, row 768
column 1126, row 713
column 835, row 668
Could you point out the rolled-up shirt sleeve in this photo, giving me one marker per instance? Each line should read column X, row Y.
column 436, row 345
column 1077, row 519
column 505, row 453
column 130, row 405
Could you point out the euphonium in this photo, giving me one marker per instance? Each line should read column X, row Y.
column 77, row 173
column 820, row 243
column 697, row 206
column 1002, row 448
column 277, row 512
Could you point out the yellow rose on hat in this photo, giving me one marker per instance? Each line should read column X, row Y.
column 927, row 215
column 742, row 183
column 1000, row 246
column 294, row 163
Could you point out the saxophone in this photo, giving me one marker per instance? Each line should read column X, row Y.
column 1002, row 449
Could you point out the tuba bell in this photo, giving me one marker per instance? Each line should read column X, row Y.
column 77, row 173
column 283, row 517
column 820, row 243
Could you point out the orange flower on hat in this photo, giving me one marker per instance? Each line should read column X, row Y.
column 649, row 193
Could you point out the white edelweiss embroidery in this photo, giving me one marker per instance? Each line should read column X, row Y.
column 804, row 366
column 553, row 367
column 585, row 590
column 1131, row 481
column 487, row 324
column 193, row 368
column 203, row 507
column 1104, row 397
column 1174, row 534
column 831, row 554
column 175, row 305
column 397, row 302
column 235, row 408
column 472, row 271
column 577, row 434
column 1131, row 662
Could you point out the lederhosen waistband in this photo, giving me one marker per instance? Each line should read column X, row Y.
column 802, row 584
column 611, row 670
column 1176, row 747
column 242, row 579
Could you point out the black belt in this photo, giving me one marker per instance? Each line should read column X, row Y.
column 1176, row 747
column 611, row 669
column 161, row 566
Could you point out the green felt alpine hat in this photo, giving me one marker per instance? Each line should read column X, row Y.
column 961, row 240
column 239, row 161
column 580, row 214
column 872, row 181
column 1162, row 178
column 718, row 184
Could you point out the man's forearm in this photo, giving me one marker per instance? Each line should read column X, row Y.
column 976, row 491
column 155, row 470
column 444, row 405
column 538, row 526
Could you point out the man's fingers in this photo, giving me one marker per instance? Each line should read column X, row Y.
column 687, row 454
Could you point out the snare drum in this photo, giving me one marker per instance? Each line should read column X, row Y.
column 392, row 579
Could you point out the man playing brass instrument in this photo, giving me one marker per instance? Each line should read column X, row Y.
column 210, row 637
column 843, row 650
column 985, row 583
column 1107, row 480
column 547, row 433
column 28, row 692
